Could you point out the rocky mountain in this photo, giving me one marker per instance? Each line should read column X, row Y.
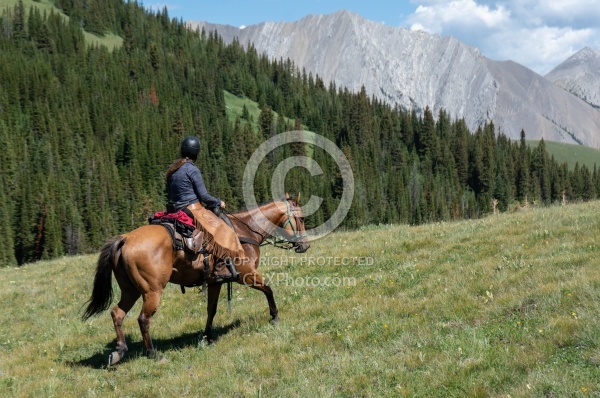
column 414, row 69
column 580, row 75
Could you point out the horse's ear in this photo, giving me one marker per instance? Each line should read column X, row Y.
column 297, row 200
column 287, row 196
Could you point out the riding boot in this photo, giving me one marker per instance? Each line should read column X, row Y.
column 231, row 268
column 225, row 271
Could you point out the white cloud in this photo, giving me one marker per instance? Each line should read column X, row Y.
column 540, row 49
column 457, row 14
column 586, row 12
column 539, row 34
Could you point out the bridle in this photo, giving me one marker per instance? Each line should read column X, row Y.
column 298, row 235
column 279, row 242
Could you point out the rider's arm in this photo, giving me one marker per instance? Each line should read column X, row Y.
column 201, row 191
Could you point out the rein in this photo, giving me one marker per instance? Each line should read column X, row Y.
column 278, row 242
column 244, row 239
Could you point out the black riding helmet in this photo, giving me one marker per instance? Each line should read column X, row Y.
column 190, row 147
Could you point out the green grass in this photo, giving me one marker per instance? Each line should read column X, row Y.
column 234, row 106
column 507, row 305
column 571, row 154
column 43, row 5
column 110, row 40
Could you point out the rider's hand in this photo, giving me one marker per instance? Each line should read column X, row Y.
column 222, row 205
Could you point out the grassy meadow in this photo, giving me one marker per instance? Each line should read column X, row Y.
column 43, row 5
column 235, row 105
column 110, row 40
column 571, row 154
column 508, row 305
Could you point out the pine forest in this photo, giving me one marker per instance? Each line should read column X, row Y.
column 87, row 132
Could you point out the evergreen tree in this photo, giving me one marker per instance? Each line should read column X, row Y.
column 19, row 31
column 87, row 134
column 522, row 169
column 540, row 169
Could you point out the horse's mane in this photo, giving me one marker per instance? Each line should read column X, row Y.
column 248, row 209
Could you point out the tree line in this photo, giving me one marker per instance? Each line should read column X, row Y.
column 86, row 134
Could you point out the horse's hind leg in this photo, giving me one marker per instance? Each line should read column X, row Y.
column 149, row 307
column 255, row 281
column 129, row 295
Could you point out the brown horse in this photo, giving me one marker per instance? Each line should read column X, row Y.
column 144, row 261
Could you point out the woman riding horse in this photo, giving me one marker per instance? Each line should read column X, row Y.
column 144, row 261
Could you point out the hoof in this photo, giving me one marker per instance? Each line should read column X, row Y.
column 115, row 357
column 274, row 321
column 161, row 359
column 202, row 342
column 206, row 340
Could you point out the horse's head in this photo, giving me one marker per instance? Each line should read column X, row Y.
column 279, row 219
column 292, row 225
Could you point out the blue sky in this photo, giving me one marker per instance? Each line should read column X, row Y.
column 539, row 34
column 238, row 12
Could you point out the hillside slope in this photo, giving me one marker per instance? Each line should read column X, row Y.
column 87, row 134
column 109, row 40
column 414, row 69
column 506, row 305
column 571, row 154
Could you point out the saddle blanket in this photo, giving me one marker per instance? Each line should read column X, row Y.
column 177, row 216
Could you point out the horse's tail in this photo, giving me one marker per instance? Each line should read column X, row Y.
column 102, row 293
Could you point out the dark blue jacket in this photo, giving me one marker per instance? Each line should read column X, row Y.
column 186, row 186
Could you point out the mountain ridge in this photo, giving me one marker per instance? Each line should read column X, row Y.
column 580, row 75
column 414, row 69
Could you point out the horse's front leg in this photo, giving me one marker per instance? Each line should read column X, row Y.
column 214, row 290
column 255, row 281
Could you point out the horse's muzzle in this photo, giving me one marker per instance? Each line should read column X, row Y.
column 301, row 246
